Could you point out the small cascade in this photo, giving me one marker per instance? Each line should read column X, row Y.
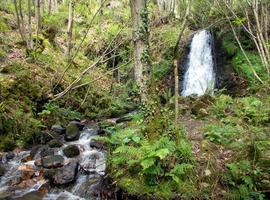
column 199, row 78
column 92, row 165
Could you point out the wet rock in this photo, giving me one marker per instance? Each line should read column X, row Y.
column 58, row 129
column 55, row 143
column 26, row 172
column 78, row 124
column 31, row 196
column 46, row 136
column 5, row 195
column 123, row 119
column 45, row 151
column 49, row 174
column 52, row 161
column 38, row 163
column 41, row 151
column 10, row 155
column 35, row 150
column 71, row 151
column 16, row 180
column 26, row 159
column 72, row 132
column 96, row 144
column 2, row 170
column 66, row 174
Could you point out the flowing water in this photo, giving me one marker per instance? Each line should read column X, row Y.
column 199, row 78
column 91, row 160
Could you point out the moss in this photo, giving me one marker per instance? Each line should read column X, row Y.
column 7, row 143
column 3, row 26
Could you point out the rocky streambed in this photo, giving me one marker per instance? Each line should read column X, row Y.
column 71, row 165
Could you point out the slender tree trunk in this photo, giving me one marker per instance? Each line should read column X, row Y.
column 37, row 16
column 141, row 45
column 30, row 25
column 69, row 30
column 19, row 22
column 50, row 7
column 22, row 22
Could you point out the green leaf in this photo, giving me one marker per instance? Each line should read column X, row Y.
column 126, row 140
column 136, row 139
column 162, row 153
column 146, row 163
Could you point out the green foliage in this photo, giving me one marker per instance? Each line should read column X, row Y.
column 161, row 69
column 222, row 134
column 230, row 47
column 160, row 165
column 245, row 178
column 222, row 104
column 241, row 66
column 7, row 143
column 52, row 114
column 252, row 110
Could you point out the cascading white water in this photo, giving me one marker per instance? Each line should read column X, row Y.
column 200, row 75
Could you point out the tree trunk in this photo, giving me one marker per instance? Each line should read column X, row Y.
column 21, row 16
column 69, row 30
column 37, row 16
column 141, row 45
column 30, row 25
column 50, row 7
column 19, row 22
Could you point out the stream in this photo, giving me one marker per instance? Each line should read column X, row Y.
column 24, row 180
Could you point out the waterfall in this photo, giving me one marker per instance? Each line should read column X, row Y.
column 200, row 75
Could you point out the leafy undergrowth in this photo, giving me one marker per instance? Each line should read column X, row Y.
column 223, row 154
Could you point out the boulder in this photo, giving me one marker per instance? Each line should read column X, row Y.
column 58, row 129
column 41, row 151
column 71, row 151
column 55, row 143
column 66, row 174
column 96, row 144
column 46, row 152
column 46, row 136
column 10, row 155
column 78, row 124
column 2, row 170
column 72, row 132
column 52, row 161
column 198, row 108
column 35, row 150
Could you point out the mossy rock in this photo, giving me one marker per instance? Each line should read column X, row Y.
column 55, row 143
column 72, row 132
column 71, row 151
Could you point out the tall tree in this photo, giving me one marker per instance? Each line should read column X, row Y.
column 30, row 25
column 37, row 16
column 19, row 20
column 141, row 45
